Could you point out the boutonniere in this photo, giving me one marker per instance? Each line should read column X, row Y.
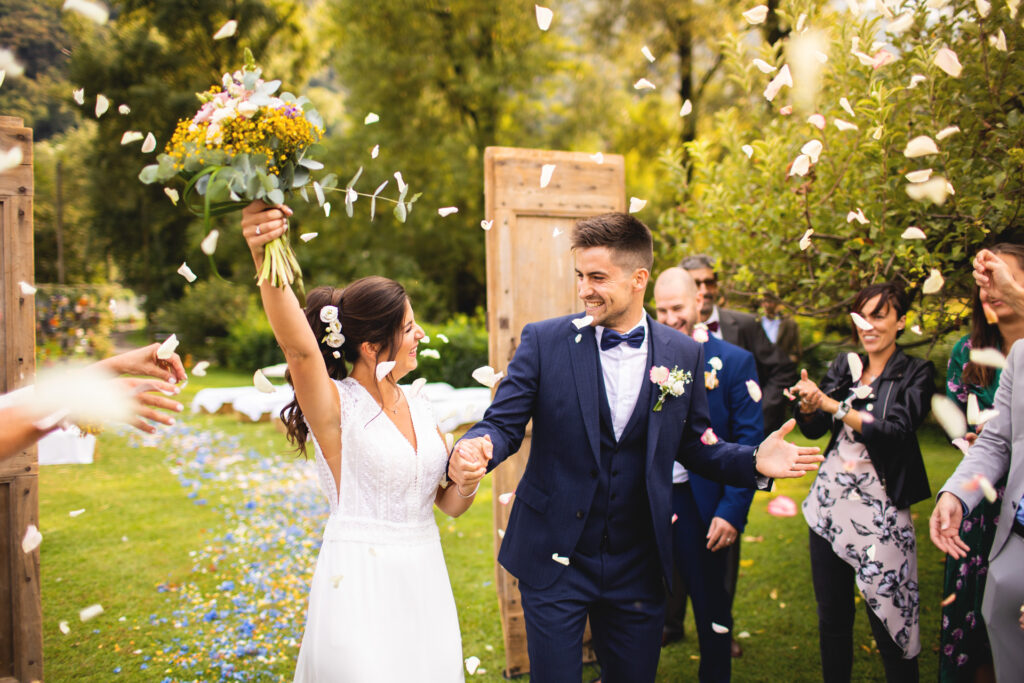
column 672, row 382
column 711, row 378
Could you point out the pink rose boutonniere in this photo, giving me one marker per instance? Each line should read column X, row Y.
column 672, row 382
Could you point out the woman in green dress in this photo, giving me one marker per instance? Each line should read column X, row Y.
column 965, row 655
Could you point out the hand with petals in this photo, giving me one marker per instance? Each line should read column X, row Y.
column 779, row 459
column 150, row 394
column 721, row 534
column 992, row 274
column 944, row 526
column 468, row 463
column 808, row 392
column 143, row 361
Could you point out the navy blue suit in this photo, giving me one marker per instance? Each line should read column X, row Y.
column 603, row 503
column 709, row 576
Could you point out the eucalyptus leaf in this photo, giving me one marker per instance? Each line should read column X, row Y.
column 276, row 196
column 355, row 178
column 311, row 164
column 149, row 174
column 400, row 212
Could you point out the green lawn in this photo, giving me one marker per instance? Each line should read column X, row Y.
column 184, row 600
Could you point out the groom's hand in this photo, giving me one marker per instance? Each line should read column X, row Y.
column 779, row 459
column 468, row 464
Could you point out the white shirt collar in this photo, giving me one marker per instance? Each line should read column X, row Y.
column 713, row 318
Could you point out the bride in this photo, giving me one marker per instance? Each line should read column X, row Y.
column 380, row 605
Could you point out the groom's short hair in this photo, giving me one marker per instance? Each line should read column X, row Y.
column 627, row 238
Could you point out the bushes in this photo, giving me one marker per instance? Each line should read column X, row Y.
column 464, row 352
column 250, row 343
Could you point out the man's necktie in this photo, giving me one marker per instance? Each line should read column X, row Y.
column 610, row 338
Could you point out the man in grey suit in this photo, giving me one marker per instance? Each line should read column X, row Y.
column 997, row 450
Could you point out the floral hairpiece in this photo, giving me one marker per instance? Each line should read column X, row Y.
column 334, row 338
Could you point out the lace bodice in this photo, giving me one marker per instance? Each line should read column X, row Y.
column 385, row 484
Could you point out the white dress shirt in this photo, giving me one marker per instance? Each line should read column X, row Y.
column 771, row 328
column 713, row 318
column 624, row 369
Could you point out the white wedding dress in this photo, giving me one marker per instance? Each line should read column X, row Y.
column 381, row 605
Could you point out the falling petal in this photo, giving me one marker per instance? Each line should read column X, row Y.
column 800, row 166
column 646, row 52
column 862, row 391
column 998, row 41
column 636, row 204
column 598, row 157
column 817, row 120
column 987, row 489
column 984, row 7
column 948, row 415
column 486, row 225
column 172, row 194
column 578, row 338
column 545, row 174
column 327, row 207
column 989, row 357
column 686, row 109
column 845, row 104
column 209, row 243
column 79, row 95
column 560, row 559
column 962, row 445
column 166, row 349
column 371, row 118
column 447, row 211
column 913, row 233
column 781, row 506
column 472, row 663
column 754, row 390
column 858, row 216
column 102, row 104
column 124, row 109
column 375, row 151
column 919, row 176
column 64, row 628
column 260, row 381
column 933, row 283
column 384, row 369
column 307, row 236
column 227, row 30
column 556, row 232
column 916, row 329
column 844, row 125
column 946, row 132
column 505, row 498
column 93, row 11
column 200, row 368
column 756, row 15
column 150, row 144
column 26, row 289
column 544, row 17
column 787, row 110
column 131, row 136
column 675, row 518
column 430, row 353
column 805, row 241
column 643, row 84
column 947, row 60
column 186, row 272
column 75, row 513
column 32, row 539
column 486, row 376
column 748, row 150
column 935, row 190
column 784, row 77
column 813, row 150
column 718, row 628
column 915, row 80
column 90, row 612
column 860, row 322
column 948, row 600
column 856, row 366
column 920, row 146
column 416, row 387
column 709, row 438
column 764, row 67
column 900, row 23
column 501, row 533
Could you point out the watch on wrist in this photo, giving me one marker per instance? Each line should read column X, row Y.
column 842, row 410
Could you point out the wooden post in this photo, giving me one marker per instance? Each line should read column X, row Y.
column 530, row 277
column 21, row 617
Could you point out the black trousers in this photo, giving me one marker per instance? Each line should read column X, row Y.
column 834, row 588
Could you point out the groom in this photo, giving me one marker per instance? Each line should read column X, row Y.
column 590, row 532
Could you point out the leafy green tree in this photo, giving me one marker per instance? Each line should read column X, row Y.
column 744, row 196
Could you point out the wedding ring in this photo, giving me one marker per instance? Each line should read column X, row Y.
column 258, row 231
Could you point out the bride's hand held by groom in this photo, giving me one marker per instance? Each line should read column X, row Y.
column 468, row 463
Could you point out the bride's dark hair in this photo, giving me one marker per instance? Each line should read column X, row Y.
column 372, row 310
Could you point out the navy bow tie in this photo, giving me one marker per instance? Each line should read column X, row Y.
column 610, row 338
column 713, row 326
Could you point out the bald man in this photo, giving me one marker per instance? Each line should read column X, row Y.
column 710, row 516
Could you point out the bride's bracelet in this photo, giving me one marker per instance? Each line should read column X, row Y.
column 458, row 490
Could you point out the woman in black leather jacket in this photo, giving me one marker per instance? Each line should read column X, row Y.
column 858, row 506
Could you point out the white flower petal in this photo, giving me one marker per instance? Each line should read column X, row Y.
column 1012, row 6
column 166, row 349
column 307, row 236
column 636, row 204
column 31, row 540
column 150, row 144
column 920, row 146
column 813, row 150
column 172, row 194
column 947, row 60
column 75, row 513
column 186, row 272
column 200, row 368
column 227, row 30
column 26, row 289
column 447, row 211
column 946, row 132
column 754, row 389
column 93, row 11
column 718, row 628
column 805, row 241
column 916, row 79
column 646, row 52
column 560, row 559
column 800, row 166
column 505, row 498
column 375, row 151
column 90, row 612
column 124, row 109
column 913, row 233
column 748, row 150
column 987, row 489
column 856, row 366
column 430, row 353
column 686, row 109
column 756, row 15
column 544, row 17
column 644, row 84
column 919, row 176
column 716, row 364
column 384, row 368
column 860, row 322
column 817, row 120
column 486, row 376
column 579, row 337
column 556, row 232
column 546, row 172
column 933, row 283
column 372, row 117
column 935, row 190
column 858, row 216
column 862, row 391
column 79, row 96
column 209, row 243
column 984, row 7
column 764, row 67
column 414, row 390
column 844, row 125
column 901, row 23
column 131, row 136
column 472, row 663
column 598, row 157
column 916, row 329
column 64, row 628
column 260, row 381
column 327, row 206
column 989, row 357
column 845, row 104
column 486, row 225
column 998, row 41
column 784, row 77
column 948, row 415
column 102, row 105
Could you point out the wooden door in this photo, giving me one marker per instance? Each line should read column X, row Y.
column 530, row 277
column 21, row 635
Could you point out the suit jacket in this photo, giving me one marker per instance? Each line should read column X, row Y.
column 999, row 449
column 735, row 417
column 552, row 380
column 775, row 370
column 789, row 338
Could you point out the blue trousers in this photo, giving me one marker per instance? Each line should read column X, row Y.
column 624, row 596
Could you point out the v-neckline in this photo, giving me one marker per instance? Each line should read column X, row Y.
column 384, row 411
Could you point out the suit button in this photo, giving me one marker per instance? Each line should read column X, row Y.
column 579, row 514
column 613, row 496
column 593, row 474
column 615, row 473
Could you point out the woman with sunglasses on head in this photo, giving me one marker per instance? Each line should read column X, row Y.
column 858, row 508
column 380, row 586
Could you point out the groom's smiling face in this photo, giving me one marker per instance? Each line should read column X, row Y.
column 611, row 293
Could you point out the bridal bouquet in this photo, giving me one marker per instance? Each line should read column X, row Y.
column 245, row 143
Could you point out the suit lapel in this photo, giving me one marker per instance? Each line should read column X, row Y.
column 728, row 326
column 584, row 361
column 658, row 355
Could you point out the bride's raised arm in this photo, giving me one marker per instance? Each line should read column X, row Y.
column 314, row 389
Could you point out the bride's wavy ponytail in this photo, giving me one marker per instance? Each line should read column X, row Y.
column 371, row 309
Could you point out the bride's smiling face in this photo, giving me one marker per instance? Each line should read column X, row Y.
column 408, row 342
